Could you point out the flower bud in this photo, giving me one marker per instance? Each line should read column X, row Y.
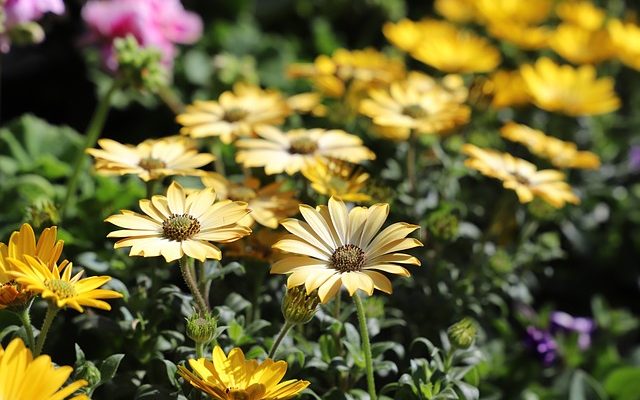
column 298, row 307
column 443, row 224
column 462, row 333
column 139, row 67
column 202, row 329
column 42, row 212
column 89, row 372
column 26, row 33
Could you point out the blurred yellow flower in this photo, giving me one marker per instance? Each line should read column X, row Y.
column 279, row 151
column 363, row 68
column 625, row 38
column 520, row 12
column 581, row 13
column 521, row 176
column 505, row 89
column 336, row 247
column 568, row 90
column 561, row 154
column 459, row 11
column 581, row 46
column 24, row 378
column 178, row 224
column 256, row 246
column 407, row 108
column 59, row 287
column 151, row 159
column 22, row 243
column 268, row 204
column 528, row 37
column 337, row 178
column 235, row 378
column 236, row 113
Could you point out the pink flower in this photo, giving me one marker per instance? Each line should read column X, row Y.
column 21, row 11
column 154, row 23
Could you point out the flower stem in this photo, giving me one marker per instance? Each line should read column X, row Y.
column 216, row 150
column 171, row 99
column 91, row 137
column 185, row 267
column 411, row 161
column 25, row 318
column 283, row 333
column 52, row 311
column 366, row 346
column 199, row 349
column 150, row 185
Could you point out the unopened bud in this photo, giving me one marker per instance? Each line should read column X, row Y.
column 462, row 333
column 42, row 212
column 202, row 329
column 139, row 67
column 26, row 33
column 298, row 307
column 89, row 372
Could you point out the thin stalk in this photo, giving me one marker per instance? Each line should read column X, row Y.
column 283, row 333
column 203, row 284
column 25, row 318
column 199, row 349
column 366, row 346
column 185, row 267
column 216, row 149
column 411, row 161
column 90, row 138
column 52, row 311
column 171, row 99
column 150, row 185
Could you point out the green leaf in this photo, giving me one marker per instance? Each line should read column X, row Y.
column 623, row 383
column 109, row 366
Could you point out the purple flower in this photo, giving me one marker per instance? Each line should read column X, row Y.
column 24, row 11
column 543, row 344
column 634, row 158
column 584, row 327
column 154, row 23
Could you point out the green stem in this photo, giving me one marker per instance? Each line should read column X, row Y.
column 411, row 161
column 52, row 311
column 185, row 267
column 199, row 350
column 216, row 149
column 150, row 186
column 366, row 346
column 283, row 333
column 25, row 318
column 171, row 99
column 91, row 137
column 204, row 284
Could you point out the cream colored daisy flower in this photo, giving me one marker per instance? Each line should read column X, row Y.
column 335, row 247
column 178, row 224
column 288, row 152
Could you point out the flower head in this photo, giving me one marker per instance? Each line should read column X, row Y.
column 58, row 286
column 26, row 378
column 279, row 151
column 154, row 23
column 268, row 204
column 580, row 45
column 528, row 37
column 564, row 322
column 236, row 113
column 521, row 176
column 561, row 154
column 408, row 107
column 505, row 89
column 568, row 90
column 337, row 178
column 543, row 344
column 625, row 38
column 335, row 247
column 582, row 13
column 151, row 159
column 516, row 11
column 460, row 11
column 178, row 224
column 234, row 377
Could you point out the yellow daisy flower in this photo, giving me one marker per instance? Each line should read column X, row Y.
column 236, row 113
column 151, row 159
column 581, row 13
column 460, row 11
column 361, row 68
column 24, row 378
column 528, row 37
column 58, row 286
column 279, row 151
column 505, row 89
column 568, row 90
column 561, row 154
column 337, row 178
column 336, row 247
column 178, row 224
column 521, row 176
column 582, row 46
column 625, row 38
column 530, row 12
column 268, row 204
column 234, row 377
column 405, row 107
column 23, row 243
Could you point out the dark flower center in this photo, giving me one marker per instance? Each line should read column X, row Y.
column 61, row 288
column 348, row 258
column 415, row 111
column 180, row 227
column 151, row 163
column 302, row 145
column 235, row 114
